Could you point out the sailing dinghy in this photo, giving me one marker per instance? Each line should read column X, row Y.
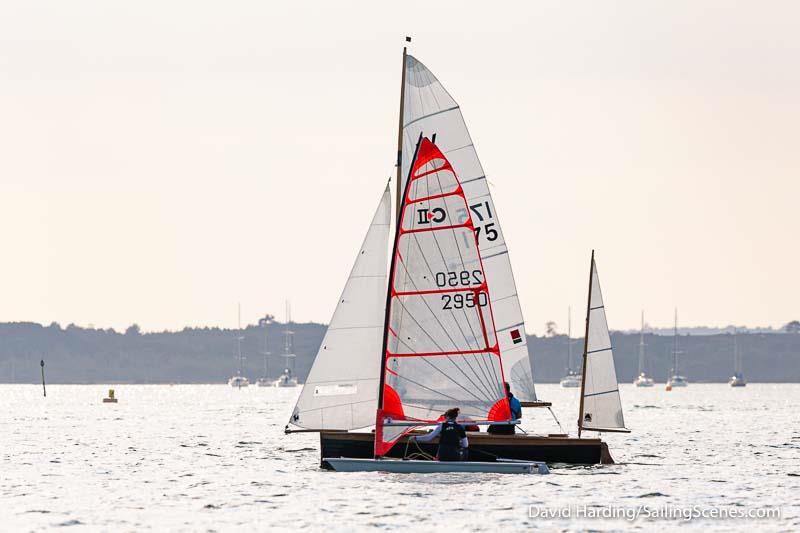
column 341, row 394
column 440, row 345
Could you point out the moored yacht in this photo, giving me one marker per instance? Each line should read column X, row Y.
column 642, row 380
column 238, row 380
column 264, row 380
column 572, row 380
column 737, row 380
column 676, row 380
column 287, row 379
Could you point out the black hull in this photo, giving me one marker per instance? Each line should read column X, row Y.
column 483, row 447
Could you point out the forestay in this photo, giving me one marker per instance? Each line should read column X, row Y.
column 602, row 408
column 342, row 387
column 441, row 346
column 429, row 110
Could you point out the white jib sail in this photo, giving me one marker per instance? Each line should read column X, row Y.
column 341, row 391
column 430, row 110
column 602, row 408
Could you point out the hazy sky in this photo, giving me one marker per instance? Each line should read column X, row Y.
column 161, row 161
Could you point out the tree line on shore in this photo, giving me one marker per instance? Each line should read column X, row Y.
column 207, row 355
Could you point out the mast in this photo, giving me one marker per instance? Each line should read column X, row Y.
column 399, row 176
column 239, row 335
column 287, row 333
column 585, row 345
column 737, row 367
column 569, row 340
column 641, row 347
column 675, row 346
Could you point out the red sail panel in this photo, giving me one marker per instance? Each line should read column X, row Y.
column 441, row 349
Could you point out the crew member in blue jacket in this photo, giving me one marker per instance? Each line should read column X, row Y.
column 516, row 414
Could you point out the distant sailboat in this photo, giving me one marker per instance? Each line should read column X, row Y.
column 642, row 380
column 572, row 379
column 288, row 379
column 264, row 380
column 239, row 381
column 676, row 380
column 737, row 380
column 601, row 407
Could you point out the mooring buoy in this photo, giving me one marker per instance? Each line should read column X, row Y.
column 110, row 398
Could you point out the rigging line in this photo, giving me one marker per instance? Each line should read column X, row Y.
column 464, row 266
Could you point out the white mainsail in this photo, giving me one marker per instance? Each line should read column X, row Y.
column 601, row 407
column 428, row 109
column 342, row 386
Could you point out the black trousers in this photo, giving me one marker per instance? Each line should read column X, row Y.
column 501, row 429
column 452, row 453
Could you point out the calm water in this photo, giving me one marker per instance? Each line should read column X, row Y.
column 208, row 457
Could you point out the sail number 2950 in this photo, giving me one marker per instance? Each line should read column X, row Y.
column 464, row 278
column 461, row 300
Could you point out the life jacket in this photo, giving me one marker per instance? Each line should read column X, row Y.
column 451, row 434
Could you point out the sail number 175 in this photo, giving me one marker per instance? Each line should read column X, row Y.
column 482, row 213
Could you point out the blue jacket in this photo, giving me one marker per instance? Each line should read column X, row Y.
column 516, row 407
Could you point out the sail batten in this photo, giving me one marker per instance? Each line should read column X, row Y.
column 601, row 407
column 429, row 109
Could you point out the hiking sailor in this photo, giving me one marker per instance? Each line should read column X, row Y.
column 453, row 443
column 516, row 414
